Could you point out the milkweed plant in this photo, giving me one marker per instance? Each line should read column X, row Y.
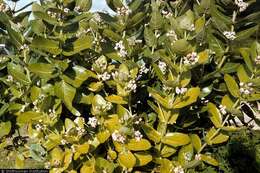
column 151, row 87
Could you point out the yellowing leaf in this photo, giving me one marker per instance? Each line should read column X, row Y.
column 103, row 136
column 126, row 159
column 167, row 151
column 176, row 139
column 185, row 154
column 136, row 145
column 196, row 142
column 190, row 97
column 203, row 57
column 214, row 115
column 116, row 99
column 231, row 85
column 81, row 149
column 208, row 159
column 5, row 128
column 142, row 158
column 151, row 133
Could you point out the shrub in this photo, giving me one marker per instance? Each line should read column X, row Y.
column 153, row 87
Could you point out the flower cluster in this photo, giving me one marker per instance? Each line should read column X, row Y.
column 118, row 137
column 123, row 11
column 231, row 35
column 121, row 48
column 181, row 91
column 131, row 86
column 191, row 59
column 257, row 60
column 241, row 5
column 93, row 122
column 24, row 47
column 104, row 77
column 246, row 88
column 54, row 15
column 162, row 66
column 222, row 109
column 172, row 34
column 178, row 169
column 167, row 14
column 138, row 135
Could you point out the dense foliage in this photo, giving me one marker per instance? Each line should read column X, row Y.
column 157, row 86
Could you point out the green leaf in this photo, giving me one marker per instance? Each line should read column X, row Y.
column 186, row 20
column 151, row 133
column 37, row 152
column 246, row 55
column 105, row 165
column 167, row 151
column 84, row 5
column 78, row 76
column 214, row 115
column 245, row 34
column 116, row 99
column 136, row 19
column 43, row 70
column 66, row 93
column 17, row 71
column 215, row 44
column 199, row 24
column 29, row 116
column 230, row 67
column 176, row 139
column 143, row 158
column 185, row 154
column 210, row 160
column 82, row 43
column 5, row 128
column 46, row 45
column 16, row 37
column 242, row 74
column 181, row 47
column 136, row 145
column 19, row 161
column 126, row 159
column 190, row 97
column 149, row 37
column 232, row 85
column 196, row 142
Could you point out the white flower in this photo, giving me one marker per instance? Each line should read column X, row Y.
column 138, row 121
column 47, row 165
column 38, row 127
column 101, row 63
column 172, row 34
column 138, row 135
column 192, row 27
column 123, row 11
column 10, row 78
column 204, row 101
column 231, row 35
column 198, row 157
column 191, row 59
column 118, row 137
column 257, row 60
column 97, row 17
column 143, row 69
column 121, row 48
column 73, row 149
column 104, row 77
column 77, row 9
column 241, row 5
column 93, row 122
column 180, row 91
column 80, row 130
column 63, row 142
column 178, row 169
column 131, row 86
column 222, row 109
column 246, row 88
column 66, row 10
column 23, row 47
column 162, row 66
